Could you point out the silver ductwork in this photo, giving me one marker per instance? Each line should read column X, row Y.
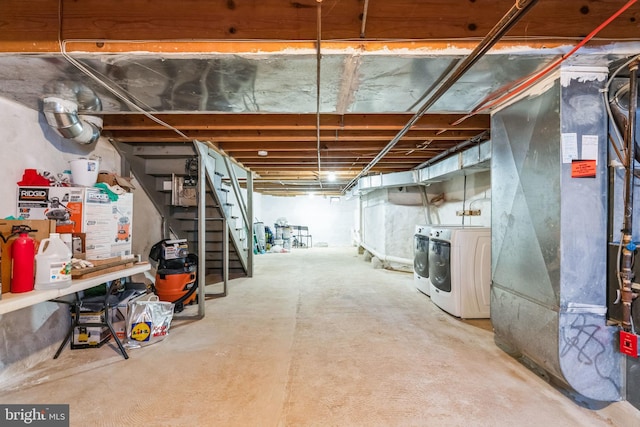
column 62, row 115
column 472, row 160
column 549, row 235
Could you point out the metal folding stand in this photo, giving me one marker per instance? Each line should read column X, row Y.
column 302, row 233
column 97, row 305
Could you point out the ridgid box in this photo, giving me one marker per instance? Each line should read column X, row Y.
column 64, row 205
column 107, row 224
column 91, row 336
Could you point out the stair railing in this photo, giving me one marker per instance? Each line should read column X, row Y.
column 238, row 233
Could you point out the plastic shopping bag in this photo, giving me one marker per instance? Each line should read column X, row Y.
column 148, row 321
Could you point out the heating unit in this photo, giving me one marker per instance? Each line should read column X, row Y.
column 460, row 270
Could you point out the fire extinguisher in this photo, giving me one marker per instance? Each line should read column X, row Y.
column 23, row 254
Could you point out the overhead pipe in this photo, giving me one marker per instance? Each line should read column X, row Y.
column 62, row 115
column 528, row 82
column 436, row 83
column 318, row 61
column 517, row 11
column 628, row 247
column 365, row 11
column 619, row 112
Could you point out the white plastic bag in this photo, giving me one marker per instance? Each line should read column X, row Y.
column 148, row 321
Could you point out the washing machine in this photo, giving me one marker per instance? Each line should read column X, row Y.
column 460, row 270
column 421, row 258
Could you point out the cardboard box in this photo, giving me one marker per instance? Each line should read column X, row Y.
column 113, row 179
column 90, row 336
column 44, row 227
column 64, row 205
column 106, row 224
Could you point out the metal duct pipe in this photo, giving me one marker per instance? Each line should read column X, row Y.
column 627, row 245
column 62, row 115
column 483, row 136
column 517, row 11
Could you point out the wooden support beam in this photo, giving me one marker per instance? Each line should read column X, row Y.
column 274, row 122
column 32, row 26
column 224, row 138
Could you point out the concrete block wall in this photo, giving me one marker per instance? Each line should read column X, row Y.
column 389, row 215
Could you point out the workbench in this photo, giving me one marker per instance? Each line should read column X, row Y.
column 12, row 302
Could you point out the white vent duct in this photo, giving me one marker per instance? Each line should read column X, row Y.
column 62, row 115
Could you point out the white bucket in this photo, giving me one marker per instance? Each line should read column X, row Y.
column 84, row 171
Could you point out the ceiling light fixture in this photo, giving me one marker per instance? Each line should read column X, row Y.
column 263, row 153
column 331, row 176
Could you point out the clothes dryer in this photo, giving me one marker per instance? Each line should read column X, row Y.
column 421, row 259
column 460, row 270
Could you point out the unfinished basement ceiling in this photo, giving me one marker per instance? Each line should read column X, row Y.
column 243, row 75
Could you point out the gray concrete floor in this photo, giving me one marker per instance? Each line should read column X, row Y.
column 317, row 338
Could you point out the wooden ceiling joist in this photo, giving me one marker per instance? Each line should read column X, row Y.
column 302, row 122
column 225, row 138
column 34, row 25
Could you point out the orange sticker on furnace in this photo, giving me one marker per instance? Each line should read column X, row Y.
column 583, row 169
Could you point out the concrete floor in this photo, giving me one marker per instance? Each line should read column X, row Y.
column 317, row 338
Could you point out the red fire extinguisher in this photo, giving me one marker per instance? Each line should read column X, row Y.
column 23, row 254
